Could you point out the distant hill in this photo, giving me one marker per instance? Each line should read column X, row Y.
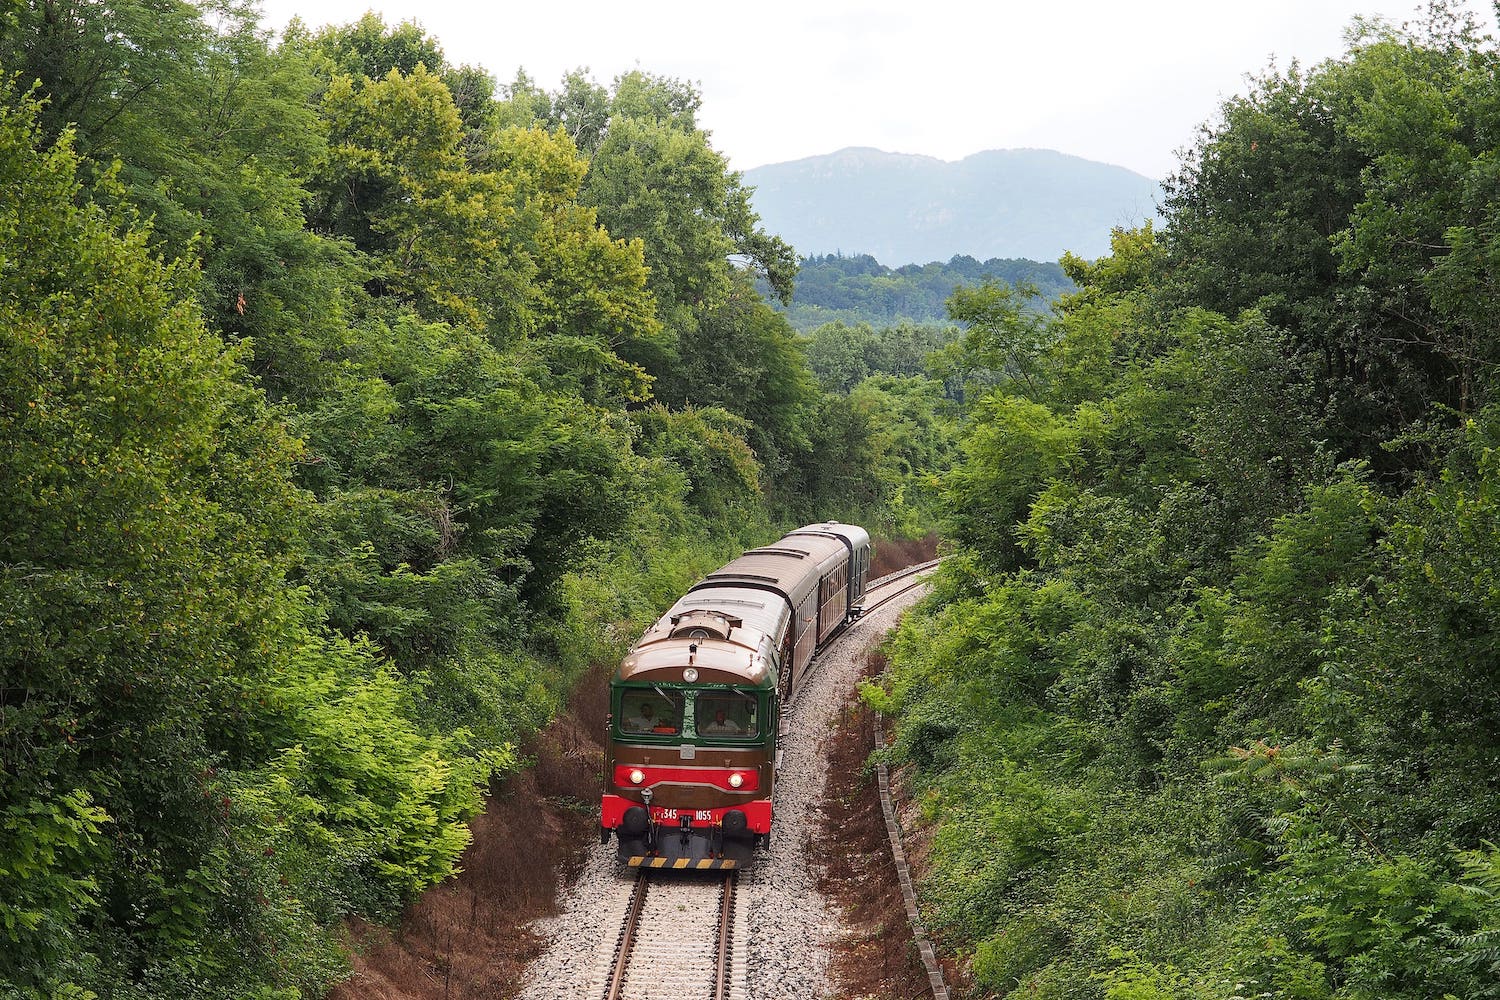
column 904, row 209
column 859, row 289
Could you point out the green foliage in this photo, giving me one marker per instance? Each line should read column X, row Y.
column 158, row 671
column 1205, row 703
column 1347, row 204
column 859, row 290
column 319, row 488
column 882, row 431
column 53, row 846
column 707, row 449
column 368, row 48
column 215, row 132
column 654, row 177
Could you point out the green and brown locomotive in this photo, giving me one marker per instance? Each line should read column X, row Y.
column 690, row 760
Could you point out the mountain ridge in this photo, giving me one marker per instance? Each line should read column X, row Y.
column 913, row 208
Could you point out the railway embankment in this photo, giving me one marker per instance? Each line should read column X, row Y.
column 470, row 936
column 874, row 957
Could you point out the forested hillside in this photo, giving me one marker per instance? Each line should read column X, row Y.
column 350, row 405
column 1207, row 701
column 859, row 289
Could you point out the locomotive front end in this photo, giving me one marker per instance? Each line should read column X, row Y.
column 690, row 753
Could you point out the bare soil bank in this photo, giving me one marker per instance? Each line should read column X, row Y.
column 877, row 957
column 892, row 554
column 467, row 937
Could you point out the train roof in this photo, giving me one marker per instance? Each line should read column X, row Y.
column 726, row 633
column 759, row 610
column 856, row 536
column 727, row 625
column 791, row 567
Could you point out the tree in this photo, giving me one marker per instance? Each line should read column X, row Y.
column 158, row 676
column 1327, row 200
column 369, row 49
column 593, row 304
column 654, row 176
column 838, row 355
column 744, row 357
column 215, row 133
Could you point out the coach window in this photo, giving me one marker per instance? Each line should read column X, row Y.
column 726, row 715
column 650, row 711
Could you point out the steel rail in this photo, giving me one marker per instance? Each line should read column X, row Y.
column 627, row 939
column 907, row 571
column 887, row 581
column 722, row 963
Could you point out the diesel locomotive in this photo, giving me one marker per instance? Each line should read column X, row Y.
column 690, row 759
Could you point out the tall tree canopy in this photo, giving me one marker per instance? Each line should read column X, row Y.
column 171, row 711
column 1347, row 204
column 654, row 176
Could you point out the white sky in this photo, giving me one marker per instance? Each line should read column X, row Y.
column 1123, row 82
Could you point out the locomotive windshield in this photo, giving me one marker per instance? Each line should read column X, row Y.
column 714, row 714
column 651, row 710
column 725, row 714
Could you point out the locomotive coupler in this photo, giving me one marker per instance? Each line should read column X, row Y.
column 651, row 823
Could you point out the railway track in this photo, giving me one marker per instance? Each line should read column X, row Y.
column 881, row 581
column 911, row 572
column 670, row 945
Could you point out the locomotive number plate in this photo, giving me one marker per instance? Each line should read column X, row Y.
column 671, row 815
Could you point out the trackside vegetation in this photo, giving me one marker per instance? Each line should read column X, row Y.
column 351, row 405
column 1206, row 703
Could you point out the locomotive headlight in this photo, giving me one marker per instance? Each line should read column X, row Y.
column 736, row 780
column 637, row 776
column 690, row 675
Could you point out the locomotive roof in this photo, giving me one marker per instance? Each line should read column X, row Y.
column 760, row 610
column 726, row 633
column 727, row 625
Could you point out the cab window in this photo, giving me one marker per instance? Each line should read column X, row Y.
column 725, row 715
column 651, row 712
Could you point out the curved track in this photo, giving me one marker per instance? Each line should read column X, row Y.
column 908, row 578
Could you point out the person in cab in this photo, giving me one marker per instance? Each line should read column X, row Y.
column 722, row 726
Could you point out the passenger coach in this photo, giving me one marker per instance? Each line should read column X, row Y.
column 690, row 761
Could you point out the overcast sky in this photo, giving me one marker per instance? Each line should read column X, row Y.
column 1123, row 82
